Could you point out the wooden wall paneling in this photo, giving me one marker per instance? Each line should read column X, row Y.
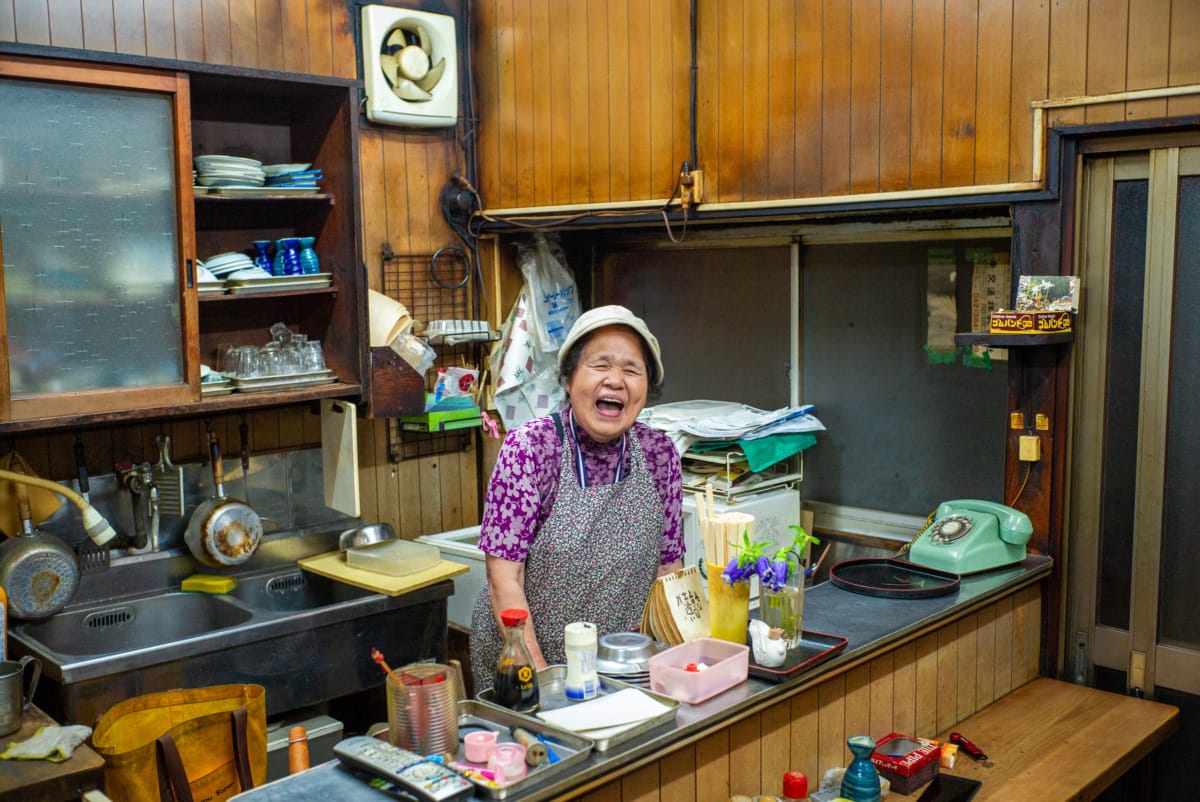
column 320, row 37
column 66, row 23
column 804, row 734
column 904, row 688
column 293, row 23
column 1030, row 65
column 883, row 695
column 994, row 93
column 598, row 135
column 619, row 91
column 1067, row 76
column 1033, row 633
column 189, row 30
column 986, row 655
column 641, row 785
column 926, row 680
column 807, row 122
column 776, row 755
column 129, row 26
column 526, row 86
column 670, row 81
column 485, row 33
column 99, row 27
column 928, row 64
column 579, row 104
column 1147, row 61
column 540, row 142
column 968, row 649
column 557, row 88
column 712, row 768
column 639, row 168
column 959, row 90
column 1107, row 56
column 895, row 101
column 782, row 154
column 32, row 21
column 857, row 701
column 865, row 95
column 831, row 722
column 268, row 19
column 345, row 51
column 218, row 48
column 607, row 793
column 8, row 23
column 947, row 677
column 836, row 100
column 159, row 16
column 756, row 110
column 745, row 756
column 506, row 79
column 708, row 103
column 1184, row 65
column 1004, row 642
column 677, row 774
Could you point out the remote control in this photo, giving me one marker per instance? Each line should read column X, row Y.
column 413, row 774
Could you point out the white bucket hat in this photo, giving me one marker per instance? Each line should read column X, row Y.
column 612, row 315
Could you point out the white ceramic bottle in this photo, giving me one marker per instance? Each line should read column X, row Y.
column 583, row 682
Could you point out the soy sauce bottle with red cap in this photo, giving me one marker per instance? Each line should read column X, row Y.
column 516, row 685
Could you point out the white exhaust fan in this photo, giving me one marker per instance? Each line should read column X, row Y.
column 410, row 67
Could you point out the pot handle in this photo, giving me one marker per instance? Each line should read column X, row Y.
column 33, row 683
column 214, row 453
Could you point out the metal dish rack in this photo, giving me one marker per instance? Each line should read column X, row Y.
column 787, row 473
column 433, row 286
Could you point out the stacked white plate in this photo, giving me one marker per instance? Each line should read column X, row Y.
column 222, row 264
column 228, row 171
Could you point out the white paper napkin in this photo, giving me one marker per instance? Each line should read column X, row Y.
column 606, row 715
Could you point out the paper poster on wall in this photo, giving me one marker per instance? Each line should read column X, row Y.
column 941, row 320
column 991, row 287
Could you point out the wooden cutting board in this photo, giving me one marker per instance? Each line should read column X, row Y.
column 332, row 565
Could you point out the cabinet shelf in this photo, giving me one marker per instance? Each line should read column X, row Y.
column 321, row 198
column 1012, row 340
column 218, row 298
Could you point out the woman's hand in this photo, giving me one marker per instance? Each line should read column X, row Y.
column 670, row 568
column 506, row 585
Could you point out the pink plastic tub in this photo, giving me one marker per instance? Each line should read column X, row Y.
column 728, row 664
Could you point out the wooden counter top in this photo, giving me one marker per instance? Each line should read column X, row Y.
column 1052, row 740
column 23, row 780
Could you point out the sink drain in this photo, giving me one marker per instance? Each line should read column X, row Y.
column 286, row 584
column 109, row 618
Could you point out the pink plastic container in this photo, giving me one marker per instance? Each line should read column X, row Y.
column 728, row 664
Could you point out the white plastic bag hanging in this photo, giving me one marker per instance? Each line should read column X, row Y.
column 554, row 300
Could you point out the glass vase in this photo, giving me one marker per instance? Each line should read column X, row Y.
column 860, row 783
column 784, row 609
column 262, row 257
column 728, row 606
column 287, row 257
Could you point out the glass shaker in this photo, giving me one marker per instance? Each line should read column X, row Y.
column 516, row 685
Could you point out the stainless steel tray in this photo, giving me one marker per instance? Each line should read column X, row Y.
column 552, row 694
column 570, row 748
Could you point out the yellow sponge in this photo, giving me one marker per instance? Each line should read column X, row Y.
column 209, row 583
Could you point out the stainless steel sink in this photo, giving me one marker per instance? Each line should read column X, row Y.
column 294, row 592
column 135, row 624
column 131, row 630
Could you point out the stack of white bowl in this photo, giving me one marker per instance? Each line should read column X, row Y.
column 222, row 264
column 228, row 171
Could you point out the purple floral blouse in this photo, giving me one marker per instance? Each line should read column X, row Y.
column 524, row 484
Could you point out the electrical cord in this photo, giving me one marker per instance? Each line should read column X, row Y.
column 1021, row 489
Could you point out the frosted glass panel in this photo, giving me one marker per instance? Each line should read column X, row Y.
column 87, row 212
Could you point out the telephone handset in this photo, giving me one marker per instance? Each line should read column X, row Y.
column 970, row 535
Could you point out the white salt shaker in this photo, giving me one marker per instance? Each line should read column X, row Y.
column 582, row 680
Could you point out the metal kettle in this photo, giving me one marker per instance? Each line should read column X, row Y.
column 39, row 571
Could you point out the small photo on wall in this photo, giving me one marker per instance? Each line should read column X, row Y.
column 1047, row 294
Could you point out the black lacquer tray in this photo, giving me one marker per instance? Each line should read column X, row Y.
column 814, row 648
column 892, row 579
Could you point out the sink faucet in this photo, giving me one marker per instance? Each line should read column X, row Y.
column 139, row 481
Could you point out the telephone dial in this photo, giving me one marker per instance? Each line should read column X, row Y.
column 969, row 536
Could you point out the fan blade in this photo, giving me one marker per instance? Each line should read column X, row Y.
column 414, row 64
column 394, row 41
column 426, row 44
column 391, row 67
column 407, row 90
column 433, row 76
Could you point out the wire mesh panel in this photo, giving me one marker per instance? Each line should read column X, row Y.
column 433, row 286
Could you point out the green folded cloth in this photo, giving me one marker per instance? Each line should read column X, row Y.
column 764, row 452
column 53, row 743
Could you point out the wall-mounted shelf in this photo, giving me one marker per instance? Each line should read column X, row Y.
column 1012, row 340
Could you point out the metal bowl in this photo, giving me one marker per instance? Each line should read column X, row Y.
column 625, row 647
column 365, row 536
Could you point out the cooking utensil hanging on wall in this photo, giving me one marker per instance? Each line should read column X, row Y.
column 42, row 503
column 37, row 569
column 244, row 451
column 222, row 531
column 168, row 478
column 85, row 488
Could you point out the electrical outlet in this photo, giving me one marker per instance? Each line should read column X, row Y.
column 697, row 186
column 1030, row 448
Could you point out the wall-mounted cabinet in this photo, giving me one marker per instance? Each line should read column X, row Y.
column 101, row 230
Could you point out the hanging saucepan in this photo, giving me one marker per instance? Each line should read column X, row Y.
column 39, row 571
column 222, row 531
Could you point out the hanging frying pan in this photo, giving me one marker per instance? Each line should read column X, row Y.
column 222, row 531
column 39, row 571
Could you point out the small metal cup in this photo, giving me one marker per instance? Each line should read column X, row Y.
column 13, row 697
